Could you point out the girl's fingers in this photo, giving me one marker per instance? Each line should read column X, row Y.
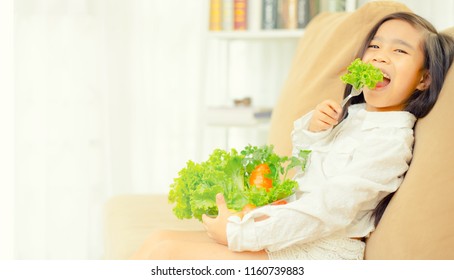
column 329, row 118
column 331, row 108
column 206, row 220
column 220, row 201
column 222, row 208
column 326, row 115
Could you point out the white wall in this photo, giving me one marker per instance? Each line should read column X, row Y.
column 439, row 12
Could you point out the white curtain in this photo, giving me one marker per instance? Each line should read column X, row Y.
column 107, row 102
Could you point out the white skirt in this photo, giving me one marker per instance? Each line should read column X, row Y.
column 329, row 248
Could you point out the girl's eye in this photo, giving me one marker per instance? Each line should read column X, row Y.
column 400, row 51
column 373, row 46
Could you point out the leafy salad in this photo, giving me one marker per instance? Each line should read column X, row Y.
column 362, row 74
column 253, row 177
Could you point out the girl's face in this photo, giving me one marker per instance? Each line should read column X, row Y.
column 396, row 49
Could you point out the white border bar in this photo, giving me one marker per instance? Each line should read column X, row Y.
column 7, row 131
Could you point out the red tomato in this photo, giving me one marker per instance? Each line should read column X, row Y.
column 259, row 179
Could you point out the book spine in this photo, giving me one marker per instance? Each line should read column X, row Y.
column 281, row 13
column 215, row 15
column 287, row 14
column 254, row 14
column 314, row 8
column 303, row 13
column 269, row 14
column 292, row 10
column 240, row 14
column 227, row 15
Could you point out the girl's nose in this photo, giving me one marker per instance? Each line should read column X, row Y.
column 380, row 59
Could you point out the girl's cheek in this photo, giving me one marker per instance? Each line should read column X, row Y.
column 366, row 57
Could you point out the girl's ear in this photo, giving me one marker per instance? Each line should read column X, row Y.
column 425, row 81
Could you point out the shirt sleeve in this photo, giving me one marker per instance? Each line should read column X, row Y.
column 334, row 203
column 302, row 138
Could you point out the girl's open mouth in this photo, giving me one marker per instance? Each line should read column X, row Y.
column 385, row 82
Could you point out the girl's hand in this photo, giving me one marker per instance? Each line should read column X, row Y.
column 217, row 227
column 326, row 115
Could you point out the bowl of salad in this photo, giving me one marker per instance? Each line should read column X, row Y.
column 254, row 177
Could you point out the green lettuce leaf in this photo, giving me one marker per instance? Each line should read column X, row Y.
column 361, row 74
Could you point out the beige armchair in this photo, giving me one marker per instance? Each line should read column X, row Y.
column 417, row 223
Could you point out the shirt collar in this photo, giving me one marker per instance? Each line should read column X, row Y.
column 397, row 119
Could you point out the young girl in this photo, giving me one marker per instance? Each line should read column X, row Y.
column 354, row 164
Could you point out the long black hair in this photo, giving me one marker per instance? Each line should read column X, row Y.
column 438, row 51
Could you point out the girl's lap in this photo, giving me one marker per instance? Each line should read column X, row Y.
column 194, row 245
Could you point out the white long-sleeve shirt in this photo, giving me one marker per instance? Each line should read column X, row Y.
column 351, row 168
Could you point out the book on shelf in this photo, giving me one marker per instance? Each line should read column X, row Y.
column 287, row 14
column 227, row 15
column 303, row 13
column 237, row 115
column 254, row 15
column 314, row 8
column 215, row 15
column 269, row 14
column 240, row 14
